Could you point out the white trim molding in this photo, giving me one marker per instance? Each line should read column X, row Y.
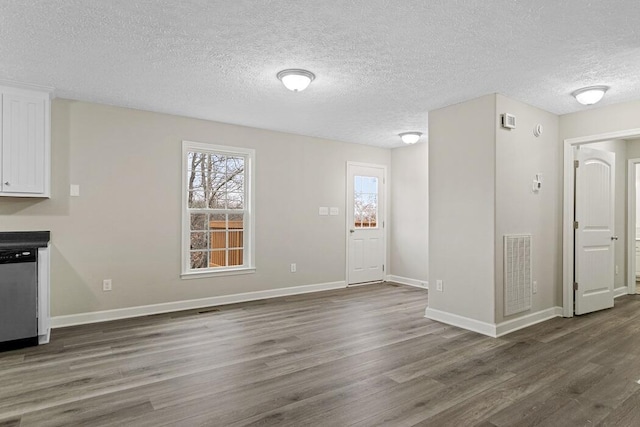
column 632, row 230
column 508, row 326
column 416, row 283
column 146, row 310
column 618, row 292
column 478, row 326
column 492, row 329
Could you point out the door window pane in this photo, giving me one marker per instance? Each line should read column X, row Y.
column 365, row 202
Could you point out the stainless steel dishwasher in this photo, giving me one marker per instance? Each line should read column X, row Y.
column 18, row 298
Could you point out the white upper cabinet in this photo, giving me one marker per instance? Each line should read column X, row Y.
column 25, row 147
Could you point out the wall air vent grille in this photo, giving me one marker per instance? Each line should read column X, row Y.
column 517, row 274
column 508, row 121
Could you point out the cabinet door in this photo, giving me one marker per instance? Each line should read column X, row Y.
column 23, row 144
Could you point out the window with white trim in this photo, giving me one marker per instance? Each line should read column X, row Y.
column 217, row 201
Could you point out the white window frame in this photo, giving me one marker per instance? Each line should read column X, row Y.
column 249, row 222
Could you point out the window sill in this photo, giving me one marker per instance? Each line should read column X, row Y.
column 220, row 273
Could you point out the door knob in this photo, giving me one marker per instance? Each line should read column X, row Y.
column 7, row 183
column 614, row 237
column 352, row 231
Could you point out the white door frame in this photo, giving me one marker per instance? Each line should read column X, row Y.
column 385, row 186
column 631, row 225
column 568, row 209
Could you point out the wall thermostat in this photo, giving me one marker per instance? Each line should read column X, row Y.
column 508, row 121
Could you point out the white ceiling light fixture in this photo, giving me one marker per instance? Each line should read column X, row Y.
column 590, row 95
column 410, row 137
column 296, row 80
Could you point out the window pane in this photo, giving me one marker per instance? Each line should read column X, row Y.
column 196, row 199
column 365, row 203
column 195, row 161
column 217, row 201
column 195, row 181
column 236, row 257
column 218, row 259
column 218, row 240
column 370, row 184
column 217, row 182
column 236, row 221
column 236, row 239
column 198, row 221
column 199, row 240
column 235, row 201
column 217, row 222
column 235, row 183
column 357, row 184
column 198, row 260
column 235, row 165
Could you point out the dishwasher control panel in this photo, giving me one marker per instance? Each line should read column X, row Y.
column 12, row 256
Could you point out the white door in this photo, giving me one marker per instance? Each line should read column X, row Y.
column 23, row 144
column 365, row 223
column 595, row 234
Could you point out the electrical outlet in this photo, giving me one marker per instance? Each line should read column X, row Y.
column 106, row 285
column 439, row 286
column 535, row 287
column 293, row 267
column 617, row 271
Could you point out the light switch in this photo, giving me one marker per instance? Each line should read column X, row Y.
column 334, row 211
column 323, row 210
column 74, row 190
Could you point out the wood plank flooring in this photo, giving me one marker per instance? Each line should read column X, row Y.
column 362, row 356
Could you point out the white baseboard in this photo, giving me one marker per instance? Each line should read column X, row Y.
column 618, row 292
column 483, row 328
column 422, row 284
column 491, row 329
column 509, row 326
column 375, row 282
column 145, row 310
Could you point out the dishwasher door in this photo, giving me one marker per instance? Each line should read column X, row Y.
column 18, row 296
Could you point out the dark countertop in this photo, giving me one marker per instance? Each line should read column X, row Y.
column 24, row 239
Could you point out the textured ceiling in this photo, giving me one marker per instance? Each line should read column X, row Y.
column 381, row 65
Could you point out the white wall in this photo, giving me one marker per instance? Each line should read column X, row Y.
column 637, row 191
column 409, row 212
column 520, row 155
column 462, row 208
column 126, row 223
column 594, row 120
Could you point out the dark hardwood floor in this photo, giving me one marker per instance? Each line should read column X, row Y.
column 362, row 356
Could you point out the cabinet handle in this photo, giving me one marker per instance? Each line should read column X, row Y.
column 7, row 183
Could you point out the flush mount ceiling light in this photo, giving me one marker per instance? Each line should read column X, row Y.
column 296, row 80
column 410, row 137
column 590, row 95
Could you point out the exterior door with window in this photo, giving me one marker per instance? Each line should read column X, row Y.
column 365, row 223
